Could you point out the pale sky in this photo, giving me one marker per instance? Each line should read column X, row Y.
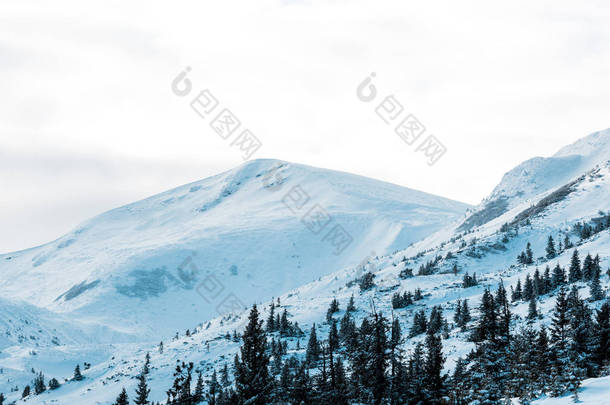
column 88, row 121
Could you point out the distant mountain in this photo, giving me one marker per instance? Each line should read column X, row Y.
column 539, row 174
column 260, row 230
column 558, row 197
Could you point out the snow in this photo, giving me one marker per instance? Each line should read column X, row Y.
column 291, row 265
column 120, row 269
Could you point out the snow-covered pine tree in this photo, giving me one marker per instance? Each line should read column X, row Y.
column 142, row 391
column 122, row 399
column 550, row 248
column 251, row 375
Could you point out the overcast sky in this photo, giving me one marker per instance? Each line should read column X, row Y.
column 88, row 121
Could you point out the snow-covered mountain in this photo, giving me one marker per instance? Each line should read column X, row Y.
column 539, row 175
column 158, row 265
column 542, row 197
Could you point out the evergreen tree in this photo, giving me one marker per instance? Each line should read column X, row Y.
column 597, row 293
column 528, row 290
column 601, row 337
column 53, row 385
column 542, row 364
column 504, row 315
column 379, row 359
column 313, row 346
column 350, row 305
column 146, row 368
column 142, row 391
column 26, row 391
column 252, row 375
column 433, row 366
column 529, row 255
column 416, row 376
column 77, row 374
column 487, row 326
column 559, row 276
column 575, row 270
column 213, row 389
column 466, row 317
column 457, row 315
column 224, row 376
column 517, row 293
column 271, row 327
column 560, row 335
column 122, row 399
column 420, row 324
column 39, row 385
column 587, row 268
column 532, row 313
column 550, row 248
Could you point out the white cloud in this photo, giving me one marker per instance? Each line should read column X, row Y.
column 86, row 85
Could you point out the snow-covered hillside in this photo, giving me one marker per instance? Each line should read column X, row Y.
column 556, row 196
column 158, row 265
column 538, row 175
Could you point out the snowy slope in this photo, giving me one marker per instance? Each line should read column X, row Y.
column 308, row 303
column 161, row 264
column 539, row 175
column 482, row 251
column 551, row 208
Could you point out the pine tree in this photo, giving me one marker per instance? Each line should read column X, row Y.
column 532, row 313
column 213, row 388
column 271, row 327
column 313, row 346
column 528, row 290
column 416, row 376
column 161, row 347
column 601, row 337
column 487, row 326
column 550, row 248
column 587, row 268
column 146, row 368
column 379, row 359
column 122, row 399
column 575, row 270
column 517, row 293
column 457, row 315
column 252, row 375
column 142, row 391
column 350, row 305
column 560, row 335
column 539, row 288
column 39, row 385
column 559, row 276
column 53, row 385
column 77, row 374
column 26, row 391
column 466, row 317
column 433, row 366
column 420, row 324
column 597, row 293
column 224, row 376
column 504, row 315
column 529, row 255
column 542, row 359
